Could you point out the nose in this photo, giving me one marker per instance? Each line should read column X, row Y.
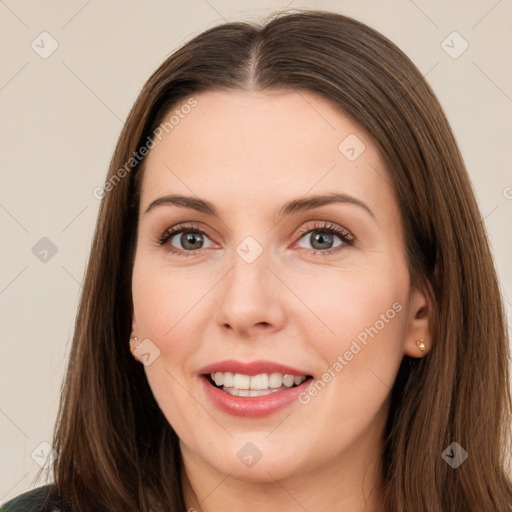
column 250, row 299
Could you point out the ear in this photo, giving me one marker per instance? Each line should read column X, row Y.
column 419, row 326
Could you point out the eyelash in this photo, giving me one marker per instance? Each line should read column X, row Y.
column 322, row 227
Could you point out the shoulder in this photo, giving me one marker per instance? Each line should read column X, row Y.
column 30, row 501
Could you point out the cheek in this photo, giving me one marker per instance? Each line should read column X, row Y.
column 368, row 316
column 164, row 310
column 359, row 337
column 172, row 308
column 166, row 306
column 354, row 304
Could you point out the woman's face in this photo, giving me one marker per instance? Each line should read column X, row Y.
column 288, row 258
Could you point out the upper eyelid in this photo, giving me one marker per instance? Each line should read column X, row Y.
column 327, row 225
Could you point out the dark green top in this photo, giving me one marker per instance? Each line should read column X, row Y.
column 30, row 501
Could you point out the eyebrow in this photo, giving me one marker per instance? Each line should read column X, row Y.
column 296, row 205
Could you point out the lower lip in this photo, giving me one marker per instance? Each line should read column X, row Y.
column 255, row 406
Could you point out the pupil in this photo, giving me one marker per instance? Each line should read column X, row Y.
column 190, row 238
column 321, row 238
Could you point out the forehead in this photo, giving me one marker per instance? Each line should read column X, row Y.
column 261, row 146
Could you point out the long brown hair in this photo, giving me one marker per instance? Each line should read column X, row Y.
column 115, row 449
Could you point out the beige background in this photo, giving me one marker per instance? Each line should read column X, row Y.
column 60, row 118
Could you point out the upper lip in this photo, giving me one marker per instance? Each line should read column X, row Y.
column 251, row 368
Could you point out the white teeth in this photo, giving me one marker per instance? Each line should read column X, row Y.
column 258, row 381
column 275, row 380
column 255, row 385
column 251, row 392
column 260, row 392
column 228, row 379
column 241, row 381
column 288, row 380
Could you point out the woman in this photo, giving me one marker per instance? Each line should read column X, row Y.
column 289, row 246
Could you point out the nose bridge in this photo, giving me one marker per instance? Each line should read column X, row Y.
column 250, row 294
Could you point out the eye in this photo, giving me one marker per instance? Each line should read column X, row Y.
column 322, row 237
column 186, row 240
column 325, row 239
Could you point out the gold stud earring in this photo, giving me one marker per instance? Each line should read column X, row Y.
column 420, row 344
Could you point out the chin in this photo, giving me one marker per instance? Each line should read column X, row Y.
column 252, row 458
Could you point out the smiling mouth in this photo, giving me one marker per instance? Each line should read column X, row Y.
column 237, row 384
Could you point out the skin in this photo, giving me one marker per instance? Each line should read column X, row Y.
column 248, row 153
